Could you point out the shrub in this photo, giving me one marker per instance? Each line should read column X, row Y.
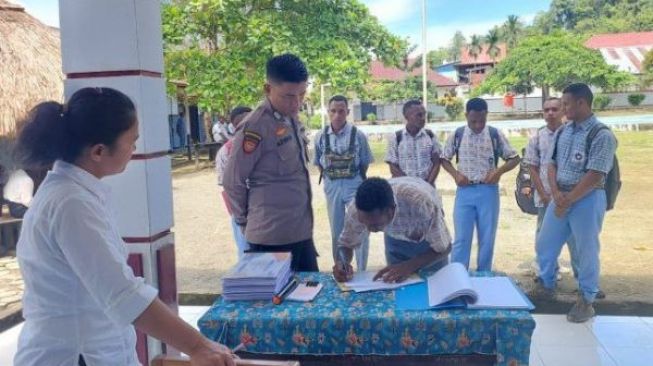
column 453, row 106
column 371, row 117
column 636, row 99
column 601, row 102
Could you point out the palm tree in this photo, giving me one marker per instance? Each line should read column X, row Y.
column 512, row 30
column 475, row 46
column 492, row 39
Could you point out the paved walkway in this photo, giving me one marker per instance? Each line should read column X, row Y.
column 11, row 291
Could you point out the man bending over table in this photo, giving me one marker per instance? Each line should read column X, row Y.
column 409, row 212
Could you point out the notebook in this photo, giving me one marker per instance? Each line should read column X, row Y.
column 452, row 287
column 364, row 282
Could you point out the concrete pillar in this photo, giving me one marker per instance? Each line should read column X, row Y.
column 118, row 44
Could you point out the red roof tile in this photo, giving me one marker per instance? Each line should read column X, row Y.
column 382, row 72
column 620, row 40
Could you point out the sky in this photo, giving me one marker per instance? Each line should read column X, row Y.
column 401, row 17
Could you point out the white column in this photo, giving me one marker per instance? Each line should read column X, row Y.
column 118, row 44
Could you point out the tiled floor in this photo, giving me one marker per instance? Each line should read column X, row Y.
column 605, row 340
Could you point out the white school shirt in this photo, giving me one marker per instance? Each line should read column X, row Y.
column 19, row 188
column 80, row 295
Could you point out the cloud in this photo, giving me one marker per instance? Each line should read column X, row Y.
column 393, row 11
column 440, row 35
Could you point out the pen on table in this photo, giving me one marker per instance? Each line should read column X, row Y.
column 278, row 298
column 238, row 348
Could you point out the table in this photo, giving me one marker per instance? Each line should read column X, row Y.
column 367, row 325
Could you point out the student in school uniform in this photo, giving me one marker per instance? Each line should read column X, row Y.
column 577, row 176
column 477, row 149
column 82, row 301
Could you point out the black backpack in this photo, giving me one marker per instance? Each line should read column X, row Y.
column 613, row 178
column 494, row 137
column 399, row 135
column 526, row 203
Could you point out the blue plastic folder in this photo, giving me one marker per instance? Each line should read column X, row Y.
column 416, row 297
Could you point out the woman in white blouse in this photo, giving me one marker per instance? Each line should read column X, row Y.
column 81, row 298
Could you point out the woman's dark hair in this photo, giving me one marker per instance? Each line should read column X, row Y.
column 54, row 131
column 374, row 194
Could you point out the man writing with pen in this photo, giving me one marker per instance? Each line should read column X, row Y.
column 409, row 212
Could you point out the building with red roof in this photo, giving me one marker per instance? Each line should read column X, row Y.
column 626, row 51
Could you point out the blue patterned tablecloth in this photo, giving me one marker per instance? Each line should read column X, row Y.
column 367, row 324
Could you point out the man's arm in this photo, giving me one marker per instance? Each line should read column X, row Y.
column 537, row 181
column 350, row 238
column 458, row 177
column 435, row 170
column 245, row 153
column 395, row 170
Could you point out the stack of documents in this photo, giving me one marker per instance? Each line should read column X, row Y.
column 364, row 281
column 257, row 276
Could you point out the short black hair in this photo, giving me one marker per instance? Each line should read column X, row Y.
column 580, row 91
column 339, row 98
column 552, row 98
column 409, row 104
column 286, row 68
column 476, row 104
column 374, row 194
column 238, row 111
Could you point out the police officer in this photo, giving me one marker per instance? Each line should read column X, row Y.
column 343, row 155
column 577, row 175
column 266, row 177
column 477, row 149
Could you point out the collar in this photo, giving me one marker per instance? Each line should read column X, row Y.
column 85, row 179
column 418, row 134
column 585, row 125
column 469, row 130
column 343, row 131
column 268, row 106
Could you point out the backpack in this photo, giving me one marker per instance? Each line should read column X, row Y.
column 613, row 178
column 494, row 136
column 399, row 135
column 525, row 202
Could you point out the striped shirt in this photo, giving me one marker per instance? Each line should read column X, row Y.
column 475, row 153
column 537, row 154
column 571, row 160
column 418, row 217
column 414, row 155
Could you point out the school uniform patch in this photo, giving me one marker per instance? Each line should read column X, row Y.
column 251, row 141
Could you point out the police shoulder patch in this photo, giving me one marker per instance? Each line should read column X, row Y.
column 251, row 141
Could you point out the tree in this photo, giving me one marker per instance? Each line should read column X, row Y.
column 552, row 61
column 458, row 42
column 512, row 30
column 437, row 57
column 492, row 39
column 589, row 17
column 475, row 46
column 647, row 69
column 220, row 46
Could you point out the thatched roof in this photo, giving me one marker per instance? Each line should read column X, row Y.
column 30, row 65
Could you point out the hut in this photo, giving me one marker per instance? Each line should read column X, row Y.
column 30, row 65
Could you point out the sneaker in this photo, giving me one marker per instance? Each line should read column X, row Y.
column 581, row 312
column 540, row 292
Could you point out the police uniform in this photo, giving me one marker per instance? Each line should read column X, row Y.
column 476, row 204
column 267, row 182
column 341, row 156
column 584, row 218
